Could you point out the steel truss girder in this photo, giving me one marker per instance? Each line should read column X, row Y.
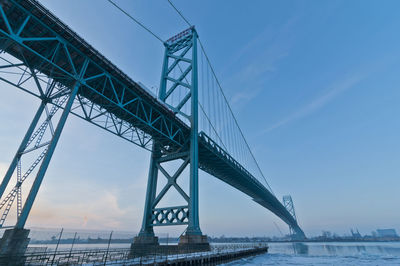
column 215, row 161
column 47, row 47
column 82, row 107
column 34, row 141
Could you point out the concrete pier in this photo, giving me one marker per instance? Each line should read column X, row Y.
column 14, row 241
column 144, row 245
column 194, row 243
column 147, row 245
column 13, row 245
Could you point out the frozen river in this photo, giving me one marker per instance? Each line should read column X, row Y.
column 375, row 253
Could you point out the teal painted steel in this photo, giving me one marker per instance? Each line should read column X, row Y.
column 182, row 47
column 41, row 44
column 194, row 226
column 217, row 162
column 288, row 203
column 21, row 148
column 106, row 90
column 46, row 160
column 147, row 228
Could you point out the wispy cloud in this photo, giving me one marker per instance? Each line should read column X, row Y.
column 273, row 41
column 319, row 102
column 244, row 96
column 259, row 57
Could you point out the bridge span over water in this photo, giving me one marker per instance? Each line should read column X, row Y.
column 45, row 58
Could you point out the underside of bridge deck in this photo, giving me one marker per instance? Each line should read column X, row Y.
column 61, row 69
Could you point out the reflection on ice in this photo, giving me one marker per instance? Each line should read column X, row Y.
column 337, row 249
column 332, row 253
column 300, row 248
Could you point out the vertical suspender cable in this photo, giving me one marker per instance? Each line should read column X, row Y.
column 223, row 94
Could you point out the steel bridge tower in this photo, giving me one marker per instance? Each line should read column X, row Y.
column 288, row 203
column 180, row 55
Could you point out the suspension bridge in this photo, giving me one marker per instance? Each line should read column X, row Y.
column 189, row 122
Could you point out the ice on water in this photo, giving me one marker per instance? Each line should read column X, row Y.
column 387, row 253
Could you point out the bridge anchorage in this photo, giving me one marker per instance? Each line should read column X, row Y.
column 41, row 56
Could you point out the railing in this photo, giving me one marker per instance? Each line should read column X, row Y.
column 118, row 256
column 222, row 153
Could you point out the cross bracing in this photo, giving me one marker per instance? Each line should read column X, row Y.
column 48, row 46
column 38, row 50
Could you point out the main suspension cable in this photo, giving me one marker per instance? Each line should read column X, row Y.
column 135, row 20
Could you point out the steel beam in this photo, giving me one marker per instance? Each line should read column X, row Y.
column 178, row 51
column 21, row 148
column 147, row 228
column 46, row 160
column 194, row 226
column 48, row 47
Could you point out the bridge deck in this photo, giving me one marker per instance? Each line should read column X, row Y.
column 52, row 48
column 217, row 162
column 43, row 43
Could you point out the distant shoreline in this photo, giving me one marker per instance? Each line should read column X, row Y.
column 332, row 241
column 236, row 241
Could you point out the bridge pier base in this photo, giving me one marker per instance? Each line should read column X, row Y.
column 143, row 245
column 194, row 243
column 142, row 240
column 148, row 245
column 14, row 242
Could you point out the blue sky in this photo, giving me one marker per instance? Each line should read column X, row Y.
column 314, row 86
